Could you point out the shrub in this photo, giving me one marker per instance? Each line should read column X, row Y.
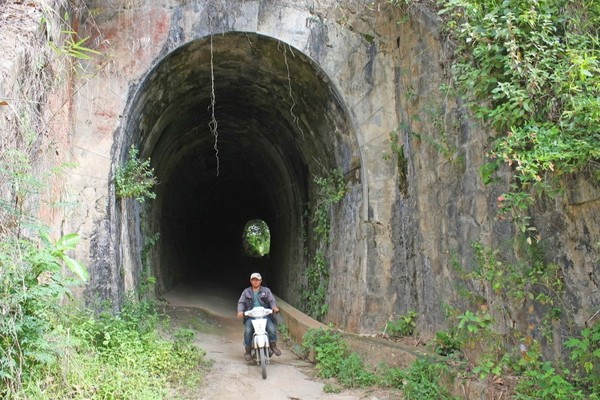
column 424, row 379
column 530, row 70
column 31, row 285
column 542, row 381
column 135, row 179
column 354, row 374
column 405, row 325
column 334, row 359
column 329, row 349
column 585, row 354
column 118, row 356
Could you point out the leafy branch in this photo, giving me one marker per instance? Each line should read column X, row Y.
column 531, row 70
column 135, row 179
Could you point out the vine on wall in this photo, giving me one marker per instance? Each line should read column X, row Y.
column 531, row 71
column 332, row 189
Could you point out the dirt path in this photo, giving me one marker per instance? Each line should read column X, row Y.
column 212, row 312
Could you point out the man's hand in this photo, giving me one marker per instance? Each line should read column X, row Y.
column 240, row 314
column 275, row 309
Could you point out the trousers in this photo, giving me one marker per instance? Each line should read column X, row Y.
column 249, row 331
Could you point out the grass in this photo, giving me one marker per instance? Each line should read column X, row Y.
column 116, row 356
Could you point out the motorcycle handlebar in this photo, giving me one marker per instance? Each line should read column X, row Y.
column 258, row 312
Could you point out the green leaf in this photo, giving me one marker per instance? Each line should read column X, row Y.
column 76, row 267
column 68, row 242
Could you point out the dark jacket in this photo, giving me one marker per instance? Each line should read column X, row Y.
column 265, row 298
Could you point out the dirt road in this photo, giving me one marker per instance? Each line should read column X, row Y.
column 212, row 312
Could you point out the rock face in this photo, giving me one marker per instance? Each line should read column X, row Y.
column 241, row 104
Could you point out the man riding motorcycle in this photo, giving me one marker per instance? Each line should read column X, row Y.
column 257, row 296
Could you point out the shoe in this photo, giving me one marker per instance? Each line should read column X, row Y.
column 247, row 355
column 274, row 348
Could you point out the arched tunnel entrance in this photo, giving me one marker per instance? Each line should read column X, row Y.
column 237, row 126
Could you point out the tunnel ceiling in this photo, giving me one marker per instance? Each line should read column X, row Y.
column 278, row 124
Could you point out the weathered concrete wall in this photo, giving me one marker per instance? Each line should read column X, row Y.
column 406, row 217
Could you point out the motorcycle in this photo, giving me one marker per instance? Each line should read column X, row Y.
column 261, row 351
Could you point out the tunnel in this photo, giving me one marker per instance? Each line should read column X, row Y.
column 237, row 127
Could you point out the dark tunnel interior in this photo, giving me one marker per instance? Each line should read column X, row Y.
column 275, row 125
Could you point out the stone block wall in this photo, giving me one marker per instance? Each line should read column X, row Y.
column 410, row 154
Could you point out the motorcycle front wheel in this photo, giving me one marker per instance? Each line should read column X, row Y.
column 263, row 361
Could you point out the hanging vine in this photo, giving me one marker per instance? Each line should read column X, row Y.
column 213, row 120
column 289, row 82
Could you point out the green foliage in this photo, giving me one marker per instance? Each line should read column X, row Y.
column 515, row 205
column 531, row 283
column 399, row 3
column 441, row 147
column 542, row 381
column 474, row 322
column 515, row 287
column 257, row 238
column 585, row 354
column 71, row 47
column 353, row 373
column 488, row 365
column 397, row 149
column 426, row 378
column 472, row 342
column 531, row 71
column 135, row 179
column 532, row 280
column 16, row 169
column 284, row 332
column 118, row 356
column 45, row 352
column 488, row 170
column 334, row 359
column 58, row 252
column 25, row 185
column 332, row 190
column 317, row 275
column 405, row 325
column 401, row 161
column 539, row 379
column 448, row 343
column 149, row 243
column 147, row 281
column 31, row 286
column 472, row 339
column 329, row 348
column 32, row 282
column 68, row 44
column 331, row 388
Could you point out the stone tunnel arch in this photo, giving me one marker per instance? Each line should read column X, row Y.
column 280, row 123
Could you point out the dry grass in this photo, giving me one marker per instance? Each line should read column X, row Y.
column 32, row 76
